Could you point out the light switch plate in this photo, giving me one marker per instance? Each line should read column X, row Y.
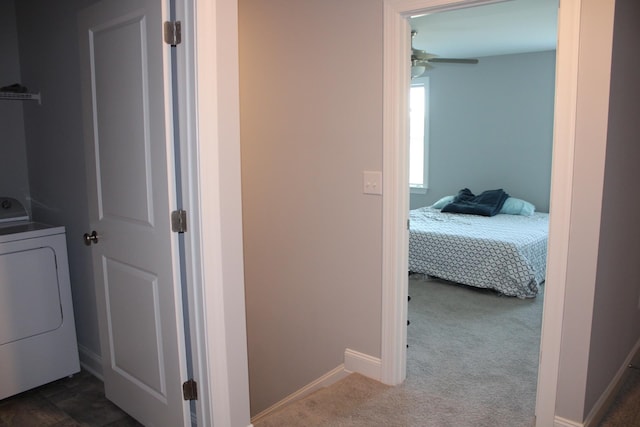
column 372, row 182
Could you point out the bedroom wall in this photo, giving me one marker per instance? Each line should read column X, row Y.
column 491, row 126
column 48, row 39
column 616, row 313
column 311, row 114
column 14, row 180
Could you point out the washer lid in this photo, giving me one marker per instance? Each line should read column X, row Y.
column 12, row 210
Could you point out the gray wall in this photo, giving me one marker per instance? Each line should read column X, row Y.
column 312, row 241
column 616, row 313
column 13, row 172
column 48, row 43
column 601, row 319
column 491, row 126
column 311, row 111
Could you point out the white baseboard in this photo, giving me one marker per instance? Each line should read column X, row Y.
column 324, row 381
column 563, row 422
column 90, row 361
column 353, row 362
column 363, row 364
column 606, row 399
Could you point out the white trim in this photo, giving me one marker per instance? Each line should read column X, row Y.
column 606, row 399
column 90, row 361
column 563, row 422
column 326, row 380
column 560, row 209
column 395, row 202
column 354, row 361
column 363, row 364
column 214, row 181
column 186, row 77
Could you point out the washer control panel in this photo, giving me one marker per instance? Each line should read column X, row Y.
column 12, row 210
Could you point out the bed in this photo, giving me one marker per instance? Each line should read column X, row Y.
column 504, row 252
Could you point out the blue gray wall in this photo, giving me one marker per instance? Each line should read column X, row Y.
column 491, row 126
column 49, row 63
column 13, row 173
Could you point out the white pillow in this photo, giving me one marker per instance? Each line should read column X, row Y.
column 442, row 202
column 513, row 206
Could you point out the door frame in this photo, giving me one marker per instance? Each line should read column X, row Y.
column 396, row 41
column 208, row 80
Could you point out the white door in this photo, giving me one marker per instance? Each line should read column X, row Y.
column 128, row 128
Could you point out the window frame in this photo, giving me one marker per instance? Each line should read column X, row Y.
column 421, row 189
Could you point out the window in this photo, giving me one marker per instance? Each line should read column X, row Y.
column 418, row 136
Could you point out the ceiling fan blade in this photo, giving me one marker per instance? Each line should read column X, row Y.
column 421, row 60
column 421, row 55
column 455, row 60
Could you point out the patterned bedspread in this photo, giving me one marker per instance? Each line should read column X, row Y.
column 504, row 252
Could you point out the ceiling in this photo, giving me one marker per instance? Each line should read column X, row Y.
column 513, row 26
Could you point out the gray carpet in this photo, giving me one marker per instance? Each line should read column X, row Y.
column 473, row 354
column 472, row 361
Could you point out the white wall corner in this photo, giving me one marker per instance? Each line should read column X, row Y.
column 90, row 361
column 363, row 364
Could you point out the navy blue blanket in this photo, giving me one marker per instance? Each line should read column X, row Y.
column 487, row 203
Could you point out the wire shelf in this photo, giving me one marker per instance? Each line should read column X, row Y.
column 21, row 96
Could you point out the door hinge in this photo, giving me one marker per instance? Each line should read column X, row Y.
column 190, row 389
column 408, row 224
column 179, row 221
column 172, row 32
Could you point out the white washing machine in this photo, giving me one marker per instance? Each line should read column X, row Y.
column 37, row 329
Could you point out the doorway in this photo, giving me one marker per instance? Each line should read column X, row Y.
column 395, row 205
column 49, row 63
column 491, row 126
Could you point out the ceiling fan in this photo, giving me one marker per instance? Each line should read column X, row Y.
column 421, row 61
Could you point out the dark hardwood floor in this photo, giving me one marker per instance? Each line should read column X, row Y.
column 69, row 402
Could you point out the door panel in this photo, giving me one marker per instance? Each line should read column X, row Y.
column 127, row 192
column 135, row 332
column 127, row 118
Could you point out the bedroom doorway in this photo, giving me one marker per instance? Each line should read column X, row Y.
column 396, row 18
column 492, row 118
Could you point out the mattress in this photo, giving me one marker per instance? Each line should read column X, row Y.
column 506, row 253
